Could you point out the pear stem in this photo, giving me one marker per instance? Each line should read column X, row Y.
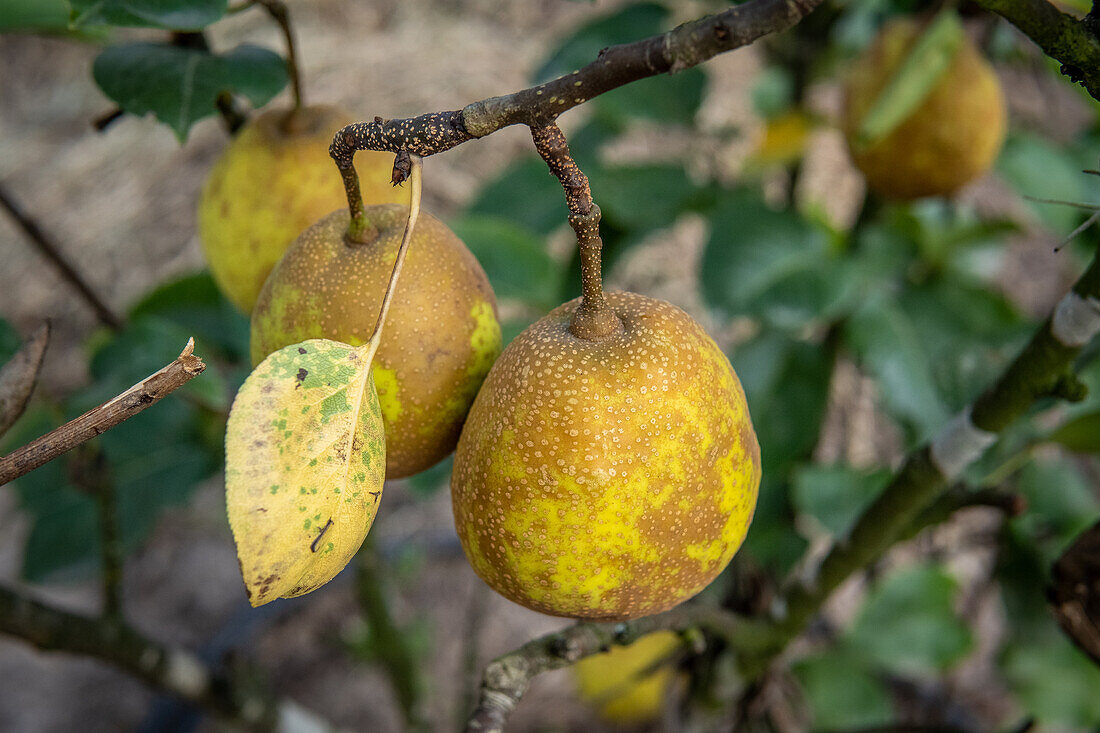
column 278, row 11
column 594, row 319
column 414, row 211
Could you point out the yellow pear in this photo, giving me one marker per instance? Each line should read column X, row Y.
column 952, row 137
column 274, row 180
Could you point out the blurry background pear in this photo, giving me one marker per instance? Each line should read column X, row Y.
column 629, row 685
column 952, row 137
column 441, row 335
column 274, row 180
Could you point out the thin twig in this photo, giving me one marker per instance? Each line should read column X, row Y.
column 99, row 419
column 279, row 13
column 506, row 678
column 50, row 249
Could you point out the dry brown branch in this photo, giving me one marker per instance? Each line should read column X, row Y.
column 99, row 419
column 20, row 374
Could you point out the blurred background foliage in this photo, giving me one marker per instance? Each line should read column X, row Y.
column 912, row 296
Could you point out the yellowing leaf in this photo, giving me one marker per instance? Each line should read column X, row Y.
column 784, row 140
column 305, row 459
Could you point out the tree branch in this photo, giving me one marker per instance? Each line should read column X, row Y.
column 1061, row 36
column 176, row 671
column 19, row 376
column 99, row 419
column 506, row 678
column 1042, row 369
column 52, row 252
column 681, row 48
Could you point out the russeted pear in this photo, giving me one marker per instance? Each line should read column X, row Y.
column 953, row 137
column 275, row 179
column 606, row 477
column 441, row 335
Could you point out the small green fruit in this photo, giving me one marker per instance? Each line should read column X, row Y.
column 441, row 335
column 953, row 137
column 607, row 478
column 275, row 179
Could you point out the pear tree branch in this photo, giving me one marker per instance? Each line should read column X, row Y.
column 99, row 419
column 1042, row 370
column 681, row 48
column 1063, row 37
column 507, row 678
column 173, row 670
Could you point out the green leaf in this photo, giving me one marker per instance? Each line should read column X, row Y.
column 765, row 263
column 1061, row 504
column 183, row 15
column 181, row 85
column 1080, row 435
column 786, row 383
column 1061, row 178
column 772, row 540
column 525, row 193
column 773, row 91
column 836, row 495
column 429, row 482
column 642, row 198
column 34, row 16
column 908, row 623
column 1055, row 682
column 9, row 341
column 924, row 65
column 966, row 331
column 666, row 99
column 515, row 259
column 842, row 693
column 889, row 347
column 196, row 305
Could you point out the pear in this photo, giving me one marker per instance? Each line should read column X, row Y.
column 606, row 477
column 953, row 136
column 274, row 180
column 442, row 333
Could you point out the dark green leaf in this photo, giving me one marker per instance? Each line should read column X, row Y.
column 184, row 15
column 1081, row 435
column 644, row 197
column 908, row 623
column 1061, row 504
column 34, row 16
column 668, row 99
column 836, row 495
column 9, row 341
column 180, row 85
column 1055, row 682
column 525, row 193
column 772, row 540
column 196, row 305
column 515, row 259
column 842, row 693
column 787, row 384
column 764, row 262
column 889, row 347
